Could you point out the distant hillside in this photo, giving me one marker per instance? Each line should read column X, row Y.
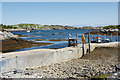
column 112, row 27
column 53, row 27
column 37, row 27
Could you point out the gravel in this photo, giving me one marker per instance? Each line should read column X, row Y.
column 101, row 61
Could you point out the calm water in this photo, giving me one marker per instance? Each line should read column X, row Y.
column 59, row 34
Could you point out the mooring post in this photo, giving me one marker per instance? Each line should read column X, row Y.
column 89, row 41
column 76, row 37
column 98, row 35
column 111, row 37
column 16, row 62
column 116, row 36
column 69, row 40
column 104, row 37
column 83, row 49
column 91, row 37
column 86, row 38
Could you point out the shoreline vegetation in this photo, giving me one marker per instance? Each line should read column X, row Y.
column 23, row 27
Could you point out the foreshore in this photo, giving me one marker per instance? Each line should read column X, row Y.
column 10, row 42
column 15, row 29
column 11, row 45
column 101, row 61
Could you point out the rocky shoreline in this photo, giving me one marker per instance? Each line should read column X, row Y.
column 15, row 44
column 101, row 61
column 10, row 42
column 5, row 35
column 95, row 32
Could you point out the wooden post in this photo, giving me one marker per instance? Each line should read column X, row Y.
column 76, row 37
column 111, row 37
column 69, row 40
column 83, row 49
column 116, row 36
column 91, row 37
column 86, row 38
column 98, row 34
column 104, row 37
column 16, row 61
column 89, row 41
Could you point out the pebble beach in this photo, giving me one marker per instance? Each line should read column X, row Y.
column 101, row 61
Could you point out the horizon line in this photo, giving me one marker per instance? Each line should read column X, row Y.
column 92, row 25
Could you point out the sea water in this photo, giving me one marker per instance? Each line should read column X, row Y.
column 58, row 34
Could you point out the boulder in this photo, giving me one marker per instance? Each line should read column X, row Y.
column 7, row 35
column 117, row 67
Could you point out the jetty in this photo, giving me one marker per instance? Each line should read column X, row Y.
column 42, row 57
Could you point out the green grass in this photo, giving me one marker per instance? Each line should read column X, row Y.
column 41, row 27
column 102, row 76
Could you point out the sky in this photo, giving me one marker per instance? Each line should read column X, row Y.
column 60, row 0
column 60, row 13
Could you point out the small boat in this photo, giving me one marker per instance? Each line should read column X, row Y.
column 28, row 31
column 107, row 40
column 96, row 40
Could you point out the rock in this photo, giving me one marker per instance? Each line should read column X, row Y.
column 117, row 67
column 53, row 34
column 60, row 32
column 28, row 73
column 15, row 71
column 7, row 35
column 115, row 76
column 27, row 68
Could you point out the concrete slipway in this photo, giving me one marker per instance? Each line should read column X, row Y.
column 41, row 57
